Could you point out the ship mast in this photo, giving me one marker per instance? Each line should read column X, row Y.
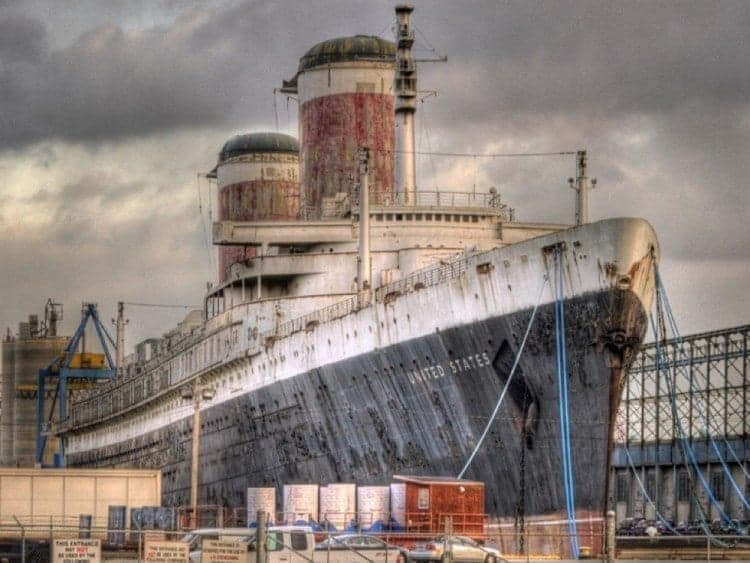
column 405, row 86
column 581, row 186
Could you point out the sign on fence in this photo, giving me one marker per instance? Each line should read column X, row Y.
column 166, row 551
column 77, row 551
column 219, row 551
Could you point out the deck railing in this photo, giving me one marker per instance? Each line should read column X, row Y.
column 435, row 199
column 124, row 393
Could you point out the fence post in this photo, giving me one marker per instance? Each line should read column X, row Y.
column 260, row 536
column 328, row 537
column 610, row 536
column 140, row 538
column 23, row 539
column 448, row 542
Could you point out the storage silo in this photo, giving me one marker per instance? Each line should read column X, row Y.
column 6, row 412
column 31, row 352
column 258, row 179
column 346, row 101
column 32, row 349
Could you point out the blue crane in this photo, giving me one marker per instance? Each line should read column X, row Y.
column 71, row 368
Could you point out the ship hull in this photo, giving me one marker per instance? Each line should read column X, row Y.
column 418, row 407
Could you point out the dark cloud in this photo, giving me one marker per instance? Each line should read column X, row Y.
column 208, row 67
column 656, row 93
column 21, row 39
column 110, row 84
column 598, row 57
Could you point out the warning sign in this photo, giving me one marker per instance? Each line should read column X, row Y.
column 77, row 551
column 218, row 551
column 166, row 551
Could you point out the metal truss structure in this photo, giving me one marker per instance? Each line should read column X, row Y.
column 712, row 390
column 710, row 376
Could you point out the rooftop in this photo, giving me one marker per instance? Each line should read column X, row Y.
column 342, row 49
column 258, row 142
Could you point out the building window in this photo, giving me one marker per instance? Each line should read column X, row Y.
column 683, row 486
column 717, row 485
column 299, row 541
column 423, row 499
column 622, row 487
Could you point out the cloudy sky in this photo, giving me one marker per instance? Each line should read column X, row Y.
column 110, row 110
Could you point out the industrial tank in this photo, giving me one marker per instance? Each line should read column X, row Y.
column 6, row 412
column 23, row 357
column 258, row 179
column 345, row 89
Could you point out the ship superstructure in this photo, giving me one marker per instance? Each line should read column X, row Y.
column 363, row 327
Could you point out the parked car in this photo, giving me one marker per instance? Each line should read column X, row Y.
column 461, row 548
column 283, row 543
column 357, row 547
column 290, row 544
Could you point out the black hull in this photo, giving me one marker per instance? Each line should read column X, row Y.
column 418, row 408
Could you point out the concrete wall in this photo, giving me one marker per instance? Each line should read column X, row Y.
column 666, row 497
column 39, row 496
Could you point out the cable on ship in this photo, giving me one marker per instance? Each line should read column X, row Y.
column 659, row 329
column 707, row 427
column 645, row 494
column 562, row 386
column 507, row 383
column 688, row 455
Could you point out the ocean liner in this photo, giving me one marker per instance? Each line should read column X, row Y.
column 362, row 326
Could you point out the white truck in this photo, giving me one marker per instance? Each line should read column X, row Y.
column 288, row 544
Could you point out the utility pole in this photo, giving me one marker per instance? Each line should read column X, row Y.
column 198, row 393
column 120, row 335
column 260, row 537
column 195, row 455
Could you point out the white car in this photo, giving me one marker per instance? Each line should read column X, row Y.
column 454, row 548
column 356, row 547
column 289, row 544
